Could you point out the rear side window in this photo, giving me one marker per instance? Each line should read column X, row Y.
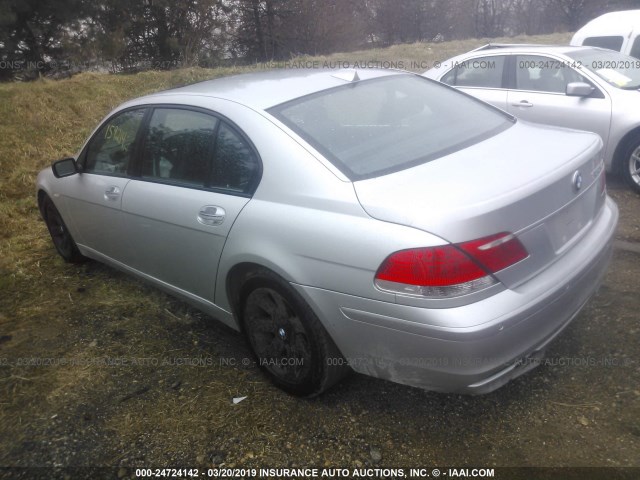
column 613, row 42
column 483, row 72
column 179, row 146
column 236, row 166
column 110, row 150
column 374, row 127
column 195, row 149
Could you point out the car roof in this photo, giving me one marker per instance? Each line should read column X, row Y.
column 531, row 47
column 265, row 89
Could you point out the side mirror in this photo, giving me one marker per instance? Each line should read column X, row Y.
column 579, row 89
column 65, row 167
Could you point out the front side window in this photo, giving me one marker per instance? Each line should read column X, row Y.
column 374, row 127
column 544, row 74
column 110, row 151
column 179, row 146
column 483, row 72
column 611, row 42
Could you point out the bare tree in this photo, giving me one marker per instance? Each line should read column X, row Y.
column 492, row 16
column 574, row 13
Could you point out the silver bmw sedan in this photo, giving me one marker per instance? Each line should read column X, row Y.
column 367, row 220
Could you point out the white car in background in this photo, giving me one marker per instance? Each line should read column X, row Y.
column 619, row 31
column 583, row 88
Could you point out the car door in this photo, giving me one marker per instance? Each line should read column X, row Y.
column 482, row 77
column 196, row 173
column 93, row 199
column 538, row 95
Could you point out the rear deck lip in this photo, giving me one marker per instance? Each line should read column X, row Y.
column 399, row 198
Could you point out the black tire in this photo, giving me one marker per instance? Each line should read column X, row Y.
column 630, row 164
column 62, row 239
column 291, row 345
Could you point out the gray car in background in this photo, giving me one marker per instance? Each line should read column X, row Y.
column 366, row 220
column 586, row 88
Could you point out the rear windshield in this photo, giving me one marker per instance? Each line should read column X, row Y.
column 374, row 127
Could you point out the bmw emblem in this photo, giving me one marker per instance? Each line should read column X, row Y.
column 577, row 180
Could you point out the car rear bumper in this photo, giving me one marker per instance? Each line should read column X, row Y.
column 474, row 348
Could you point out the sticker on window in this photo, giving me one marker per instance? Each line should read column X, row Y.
column 614, row 77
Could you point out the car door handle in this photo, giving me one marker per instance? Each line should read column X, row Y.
column 211, row 215
column 112, row 193
column 523, row 103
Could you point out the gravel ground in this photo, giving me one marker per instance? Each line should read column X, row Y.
column 128, row 377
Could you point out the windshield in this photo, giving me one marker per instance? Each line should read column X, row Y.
column 615, row 68
column 374, row 127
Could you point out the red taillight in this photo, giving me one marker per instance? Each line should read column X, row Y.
column 449, row 270
column 435, row 266
column 496, row 252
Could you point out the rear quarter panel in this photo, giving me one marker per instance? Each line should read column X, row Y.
column 305, row 223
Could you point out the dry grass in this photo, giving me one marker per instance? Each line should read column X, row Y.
column 420, row 56
column 49, row 119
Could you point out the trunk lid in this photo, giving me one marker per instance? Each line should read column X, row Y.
column 543, row 184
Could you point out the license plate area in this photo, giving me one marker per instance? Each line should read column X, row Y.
column 569, row 222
